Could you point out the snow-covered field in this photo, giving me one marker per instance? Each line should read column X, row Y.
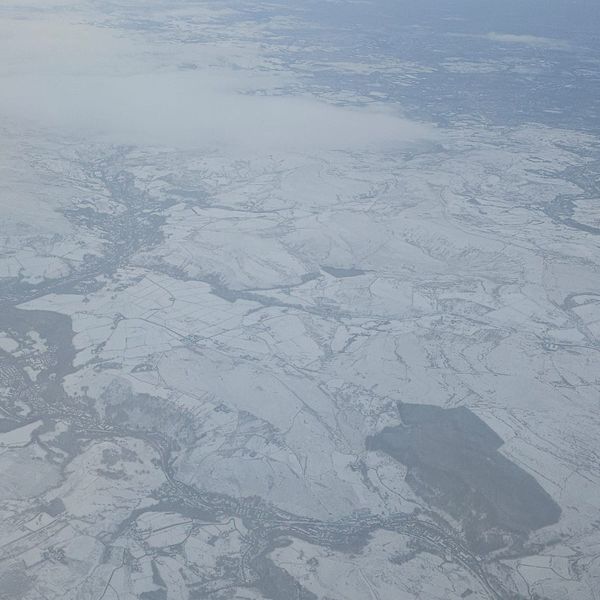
column 235, row 240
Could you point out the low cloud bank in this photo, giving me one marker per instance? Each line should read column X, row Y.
column 529, row 40
column 82, row 80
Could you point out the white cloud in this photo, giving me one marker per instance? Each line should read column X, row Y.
column 529, row 40
column 84, row 80
column 195, row 109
